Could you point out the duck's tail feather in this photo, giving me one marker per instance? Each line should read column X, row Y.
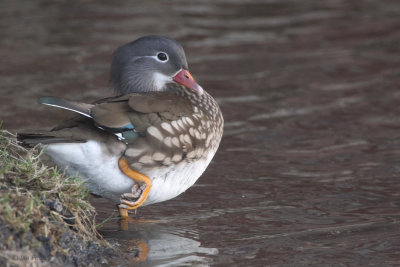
column 32, row 139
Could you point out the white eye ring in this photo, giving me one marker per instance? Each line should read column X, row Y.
column 162, row 57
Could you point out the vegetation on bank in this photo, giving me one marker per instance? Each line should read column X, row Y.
column 44, row 216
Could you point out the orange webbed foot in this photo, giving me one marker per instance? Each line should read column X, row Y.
column 139, row 192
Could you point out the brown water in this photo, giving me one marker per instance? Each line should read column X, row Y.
column 308, row 170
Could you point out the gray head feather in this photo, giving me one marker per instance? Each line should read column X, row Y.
column 135, row 67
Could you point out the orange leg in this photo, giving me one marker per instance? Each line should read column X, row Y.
column 127, row 199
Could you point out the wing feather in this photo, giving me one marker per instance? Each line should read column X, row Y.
column 124, row 115
column 81, row 108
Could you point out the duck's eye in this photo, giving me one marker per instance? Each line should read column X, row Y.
column 162, row 56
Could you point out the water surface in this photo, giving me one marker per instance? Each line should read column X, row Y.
column 308, row 169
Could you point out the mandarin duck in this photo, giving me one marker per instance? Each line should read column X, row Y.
column 149, row 143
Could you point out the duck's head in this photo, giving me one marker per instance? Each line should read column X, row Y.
column 148, row 64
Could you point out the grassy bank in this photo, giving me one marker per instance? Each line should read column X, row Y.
column 45, row 218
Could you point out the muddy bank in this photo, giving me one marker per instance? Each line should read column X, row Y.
column 45, row 218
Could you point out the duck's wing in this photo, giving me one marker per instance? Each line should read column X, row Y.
column 127, row 117
column 139, row 111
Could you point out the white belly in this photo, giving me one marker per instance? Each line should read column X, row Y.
column 171, row 181
column 88, row 162
column 103, row 176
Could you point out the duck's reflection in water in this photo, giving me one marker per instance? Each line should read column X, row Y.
column 155, row 244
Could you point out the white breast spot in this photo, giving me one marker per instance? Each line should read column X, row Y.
column 158, row 156
column 167, row 161
column 146, row 159
column 177, row 157
column 191, row 132
column 191, row 154
column 175, row 142
column 189, row 121
column 180, row 123
column 197, row 134
column 153, row 131
column 181, row 139
column 133, row 152
column 175, row 125
column 167, row 127
column 168, row 141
